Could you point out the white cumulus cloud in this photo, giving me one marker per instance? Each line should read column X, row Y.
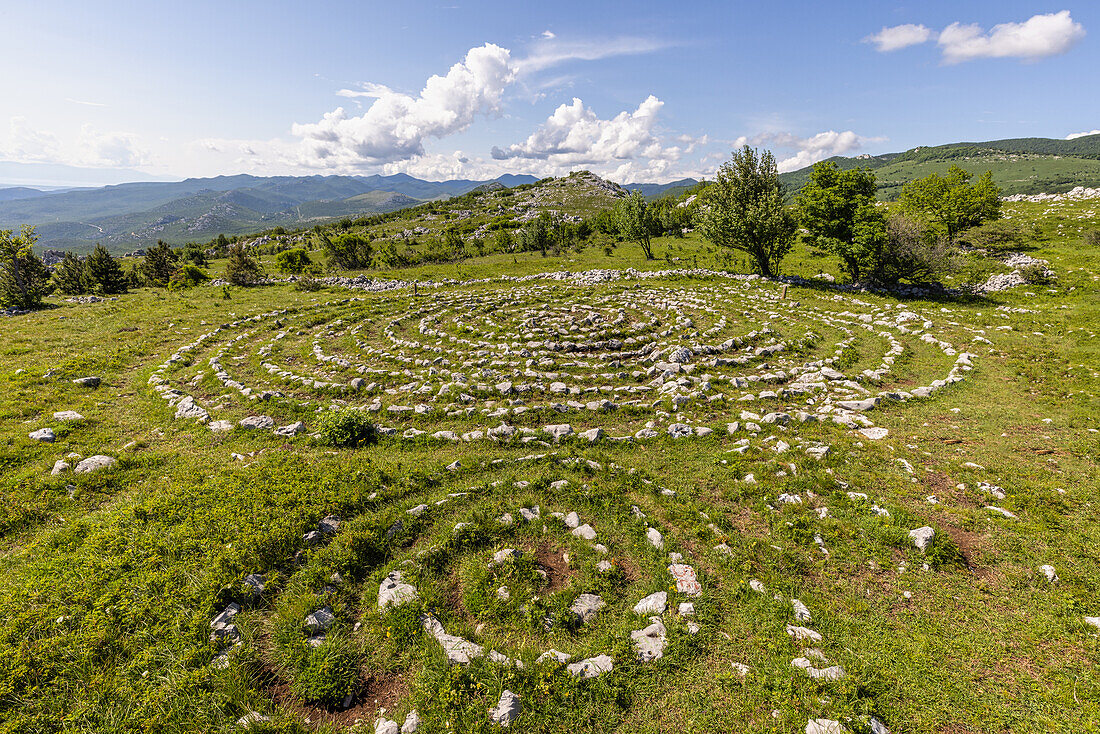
column 1044, row 35
column 574, row 134
column 90, row 147
column 1074, row 136
column 396, row 125
column 899, row 36
column 809, row 150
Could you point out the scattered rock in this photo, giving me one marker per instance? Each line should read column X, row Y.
column 586, row 606
column 649, row 642
column 653, row 604
column 592, row 667
column 507, row 709
column 921, row 537
column 257, row 422
column 45, row 435
column 393, row 591
column 95, row 463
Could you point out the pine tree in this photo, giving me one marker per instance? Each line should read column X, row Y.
column 24, row 280
column 69, row 275
column 242, row 268
column 159, row 264
column 103, row 274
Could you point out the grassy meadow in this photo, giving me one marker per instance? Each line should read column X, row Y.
column 109, row 580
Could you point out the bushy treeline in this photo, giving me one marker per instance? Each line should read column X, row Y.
column 745, row 210
column 25, row 280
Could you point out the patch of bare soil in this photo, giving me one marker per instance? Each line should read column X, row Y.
column 553, row 562
column 973, row 546
column 938, row 484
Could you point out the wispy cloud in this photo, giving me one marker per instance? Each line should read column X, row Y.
column 552, row 51
column 366, row 89
column 84, row 102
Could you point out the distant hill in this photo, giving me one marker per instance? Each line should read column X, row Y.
column 1019, row 165
column 132, row 215
column 656, row 191
column 15, row 193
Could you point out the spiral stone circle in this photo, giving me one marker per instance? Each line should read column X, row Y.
column 551, row 370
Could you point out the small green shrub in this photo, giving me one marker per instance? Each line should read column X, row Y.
column 943, row 553
column 188, row 276
column 307, row 284
column 294, row 261
column 346, row 427
column 1092, row 238
column 1035, row 274
column 328, row 673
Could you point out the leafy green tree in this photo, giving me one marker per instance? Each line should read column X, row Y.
column 951, row 201
column 24, row 280
column 103, row 274
column 838, row 210
column 453, row 244
column 671, row 218
column 347, row 251
column 294, row 262
column 743, row 210
column 503, row 241
column 604, row 222
column 242, row 268
column 195, row 254
column 634, row 219
column 68, row 277
column 536, row 234
column 159, row 264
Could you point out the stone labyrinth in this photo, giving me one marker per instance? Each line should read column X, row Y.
column 556, row 552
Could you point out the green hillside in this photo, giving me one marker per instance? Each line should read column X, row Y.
column 131, row 216
column 639, row 498
column 1019, row 166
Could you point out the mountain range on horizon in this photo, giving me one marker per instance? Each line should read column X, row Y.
column 134, row 214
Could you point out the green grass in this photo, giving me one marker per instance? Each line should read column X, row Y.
column 108, row 581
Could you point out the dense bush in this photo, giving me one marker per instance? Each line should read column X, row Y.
column 347, row 251
column 326, row 673
column 996, row 236
column 294, row 262
column 195, row 254
column 914, row 253
column 307, row 284
column 346, row 427
column 188, row 276
column 1035, row 274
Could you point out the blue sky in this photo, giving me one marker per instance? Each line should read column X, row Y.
column 638, row 91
